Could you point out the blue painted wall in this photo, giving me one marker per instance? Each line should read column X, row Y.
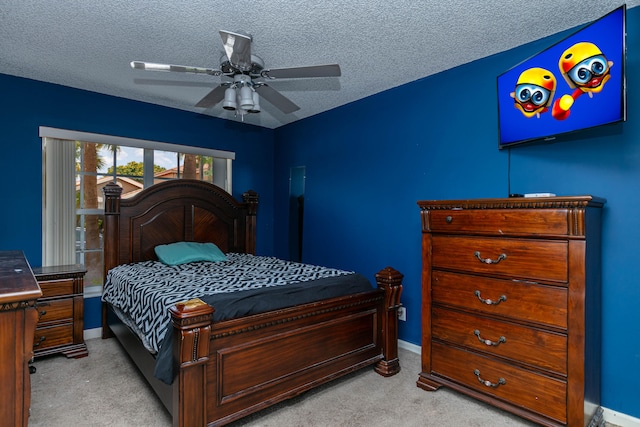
column 366, row 169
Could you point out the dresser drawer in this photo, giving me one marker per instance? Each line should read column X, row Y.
column 522, row 301
column 521, row 387
column 55, row 310
column 517, row 258
column 56, row 288
column 530, row 346
column 53, row 336
column 500, row 221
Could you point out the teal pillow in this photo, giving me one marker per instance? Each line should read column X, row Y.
column 184, row 252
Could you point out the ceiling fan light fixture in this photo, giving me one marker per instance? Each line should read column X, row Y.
column 246, row 97
column 256, row 103
column 229, row 99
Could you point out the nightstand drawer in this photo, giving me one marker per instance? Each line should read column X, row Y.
column 56, row 288
column 539, row 393
column 513, row 258
column 532, row 346
column 55, row 310
column 53, row 336
column 520, row 300
column 500, row 221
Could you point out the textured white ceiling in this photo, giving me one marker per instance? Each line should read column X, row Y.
column 378, row 44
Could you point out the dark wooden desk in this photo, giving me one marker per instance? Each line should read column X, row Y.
column 19, row 291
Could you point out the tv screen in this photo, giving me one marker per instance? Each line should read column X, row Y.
column 575, row 84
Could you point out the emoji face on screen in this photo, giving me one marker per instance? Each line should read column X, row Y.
column 585, row 67
column 534, row 91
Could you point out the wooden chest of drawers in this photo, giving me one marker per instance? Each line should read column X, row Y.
column 61, row 311
column 511, row 312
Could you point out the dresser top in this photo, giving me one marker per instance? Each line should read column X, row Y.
column 16, row 279
column 54, row 270
column 558, row 202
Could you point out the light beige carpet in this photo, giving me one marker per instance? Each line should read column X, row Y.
column 104, row 389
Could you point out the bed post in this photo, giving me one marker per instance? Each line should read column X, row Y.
column 111, row 236
column 251, row 200
column 192, row 327
column 390, row 280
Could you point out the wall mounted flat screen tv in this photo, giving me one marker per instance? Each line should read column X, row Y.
column 575, row 84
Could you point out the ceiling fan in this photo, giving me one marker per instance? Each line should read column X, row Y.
column 248, row 77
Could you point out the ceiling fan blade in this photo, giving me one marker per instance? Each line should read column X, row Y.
column 329, row 70
column 212, row 98
column 151, row 66
column 238, row 49
column 280, row 101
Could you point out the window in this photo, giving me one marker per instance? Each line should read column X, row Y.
column 76, row 165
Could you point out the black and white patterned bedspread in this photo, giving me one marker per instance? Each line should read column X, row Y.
column 145, row 290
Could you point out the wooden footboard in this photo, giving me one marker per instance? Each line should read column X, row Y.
column 230, row 369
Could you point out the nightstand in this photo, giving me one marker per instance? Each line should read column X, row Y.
column 60, row 326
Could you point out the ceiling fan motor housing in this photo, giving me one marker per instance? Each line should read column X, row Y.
column 257, row 65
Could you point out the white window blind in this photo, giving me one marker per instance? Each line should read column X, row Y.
column 59, row 202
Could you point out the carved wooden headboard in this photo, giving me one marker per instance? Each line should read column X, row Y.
column 174, row 211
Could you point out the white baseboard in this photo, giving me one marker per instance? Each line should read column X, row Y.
column 620, row 419
column 408, row 346
column 92, row 291
column 92, row 333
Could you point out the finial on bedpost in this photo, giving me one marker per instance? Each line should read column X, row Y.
column 112, row 193
column 192, row 321
column 111, row 225
column 390, row 280
column 250, row 199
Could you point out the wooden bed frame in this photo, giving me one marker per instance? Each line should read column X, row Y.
column 229, row 369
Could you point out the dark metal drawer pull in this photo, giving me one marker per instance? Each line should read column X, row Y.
column 489, row 260
column 489, row 342
column 489, row 301
column 501, row 381
column 42, row 338
column 41, row 312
